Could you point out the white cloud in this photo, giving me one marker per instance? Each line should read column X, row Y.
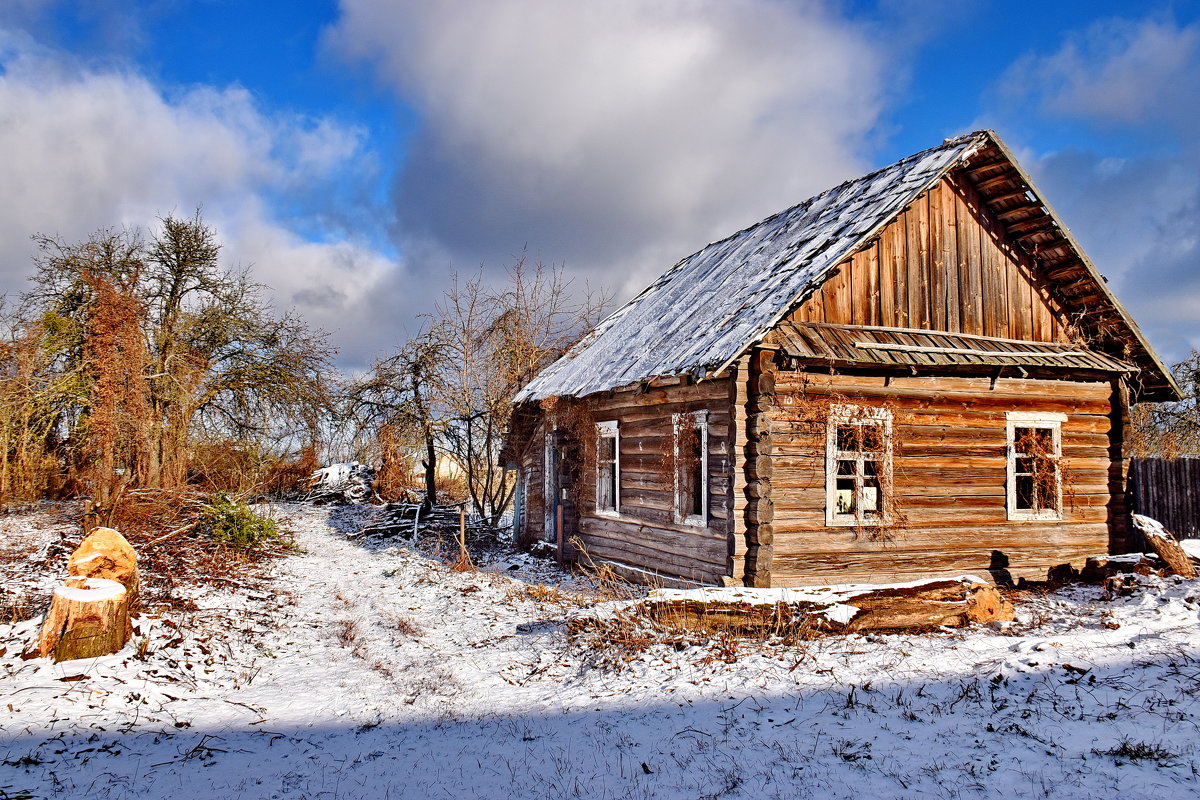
column 1116, row 71
column 613, row 136
column 1138, row 216
column 86, row 149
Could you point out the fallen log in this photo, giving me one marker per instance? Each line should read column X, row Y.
column 88, row 617
column 910, row 607
column 1165, row 546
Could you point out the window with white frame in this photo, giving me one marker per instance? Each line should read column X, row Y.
column 608, row 468
column 1034, row 485
column 691, row 467
column 858, row 465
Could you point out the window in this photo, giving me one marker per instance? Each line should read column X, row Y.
column 691, row 468
column 858, row 465
column 1034, row 465
column 608, row 468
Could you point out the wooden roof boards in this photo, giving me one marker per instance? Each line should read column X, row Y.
column 912, row 347
column 704, row 312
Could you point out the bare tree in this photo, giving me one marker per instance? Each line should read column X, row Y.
column 400, row 394
column 1170, row 430
column 496, row 339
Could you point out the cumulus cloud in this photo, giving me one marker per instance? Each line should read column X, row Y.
column 1138, row 217
column 616, row 137
column 90, row 148
column 1117, row 72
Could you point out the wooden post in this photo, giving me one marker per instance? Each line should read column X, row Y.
column 462, row 532
column 558, row 532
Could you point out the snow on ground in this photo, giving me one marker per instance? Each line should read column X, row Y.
column 371, row 670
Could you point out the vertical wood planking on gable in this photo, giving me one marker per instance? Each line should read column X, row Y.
column 900, row 260
column 949, row 257
column 914, row 281
column 942, row 264
column 939, row 275
column 968, row 266
column 871, row 267
column 887, row 280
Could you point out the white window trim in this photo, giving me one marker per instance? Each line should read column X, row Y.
column 700, row 420
column 609, row 429
column 1048, row 420
column 850, row 414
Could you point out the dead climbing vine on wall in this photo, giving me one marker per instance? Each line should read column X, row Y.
column 574, row 425
column 814, row 415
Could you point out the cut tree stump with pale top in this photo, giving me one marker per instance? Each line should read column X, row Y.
column 88, row 617
column 105, row 553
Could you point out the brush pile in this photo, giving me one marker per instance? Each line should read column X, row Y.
column 343, row 482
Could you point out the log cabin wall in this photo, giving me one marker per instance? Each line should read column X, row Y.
column 644, row 533
column 949, row 477
column 531, row 471
column 945, row 263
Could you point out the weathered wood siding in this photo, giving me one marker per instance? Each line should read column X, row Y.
column 532, row 470
column 949, row 479
column 645, row 535
column 945, row 264
column 1168, row 490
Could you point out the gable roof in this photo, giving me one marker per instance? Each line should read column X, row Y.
column 704, row 312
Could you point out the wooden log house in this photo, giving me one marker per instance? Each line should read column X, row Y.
column 916, row 373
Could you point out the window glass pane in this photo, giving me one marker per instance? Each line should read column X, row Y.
column 847, row 438
column 870, row 496
column 604, row 488
column 606, row 449
column 870, row 467
column 1025, row 496
column 845, row 496
column 846, row 468
column 696, row 507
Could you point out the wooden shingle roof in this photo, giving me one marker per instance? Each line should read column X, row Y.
column 709, row 308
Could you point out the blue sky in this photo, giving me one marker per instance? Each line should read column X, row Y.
column 355, row 151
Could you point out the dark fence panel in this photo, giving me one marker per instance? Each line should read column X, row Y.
column 1168, row 491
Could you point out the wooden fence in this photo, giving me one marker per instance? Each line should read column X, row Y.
column 1168, row 491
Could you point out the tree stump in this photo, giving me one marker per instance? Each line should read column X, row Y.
column 105, row 553
column 1164, row 544
column 88, row 617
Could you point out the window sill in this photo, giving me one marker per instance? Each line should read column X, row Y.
column 1035, row 516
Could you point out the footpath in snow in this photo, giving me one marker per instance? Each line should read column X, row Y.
column 365, row 668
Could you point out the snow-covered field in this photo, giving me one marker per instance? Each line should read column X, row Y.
column 365, row 669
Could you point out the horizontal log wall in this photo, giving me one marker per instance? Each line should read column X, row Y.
column 944, row 264
column 645, row 535
column 949, row 478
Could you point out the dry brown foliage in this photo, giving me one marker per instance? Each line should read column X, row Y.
column 163, row 526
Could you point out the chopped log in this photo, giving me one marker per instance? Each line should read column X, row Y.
column 950, row 603
column 1099, row 568
column 1164, row 544
column 105, row 553
column 923, row 605
column 88, row 617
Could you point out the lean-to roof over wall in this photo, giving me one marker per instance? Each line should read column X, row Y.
column 707, row 309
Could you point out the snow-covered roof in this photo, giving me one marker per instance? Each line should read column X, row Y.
column 708, row 308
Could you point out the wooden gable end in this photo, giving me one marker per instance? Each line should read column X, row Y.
column 945, row 263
